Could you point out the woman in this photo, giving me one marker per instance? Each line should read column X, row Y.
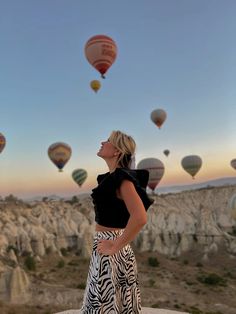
column 120, row 203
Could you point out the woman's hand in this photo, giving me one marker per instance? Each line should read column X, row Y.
column 107, row 247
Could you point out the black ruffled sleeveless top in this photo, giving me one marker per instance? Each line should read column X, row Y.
column 110, row 211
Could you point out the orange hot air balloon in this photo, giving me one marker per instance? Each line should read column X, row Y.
column 59, row 153
column 95, row 85
column 2, row 142
column 101, row 52
column 158, row 117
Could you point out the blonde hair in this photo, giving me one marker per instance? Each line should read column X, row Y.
column 126, row 145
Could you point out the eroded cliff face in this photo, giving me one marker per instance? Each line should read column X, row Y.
column 176, row 223
column 46, row 226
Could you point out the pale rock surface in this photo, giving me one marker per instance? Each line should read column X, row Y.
column 12, row 256
column 176, row 223
column 19, row 286
column 14, row 285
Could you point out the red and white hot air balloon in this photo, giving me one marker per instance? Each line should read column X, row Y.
column 101, row 52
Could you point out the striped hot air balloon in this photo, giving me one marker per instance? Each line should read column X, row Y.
column 2, row 142
column 101, row 52
column 59, row 153
column 191, row 164
column 79, row 176
column 155, row 168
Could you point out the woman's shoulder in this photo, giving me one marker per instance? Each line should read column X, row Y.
column 137, row 176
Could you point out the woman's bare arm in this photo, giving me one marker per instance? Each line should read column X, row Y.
column 137, row 219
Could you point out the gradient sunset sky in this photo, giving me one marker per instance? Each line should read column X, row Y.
column 178, row 55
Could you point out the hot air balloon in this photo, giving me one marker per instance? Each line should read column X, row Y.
column 101, row 52
column 166, row 152
column 232, row 206
column 95, row 85
column 79, row 176
column 2, row 142
column 192, row 164
column 233, row 163
column 158, row 117
column 59, row 153
column 156, row 170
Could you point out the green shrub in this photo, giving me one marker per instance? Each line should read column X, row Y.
column 61, row 263
column 199, row 264
column 81, row 286
column 64, row 251
column 156, row 305
column 152, row 261
column 151, row 282
column 195, row 310
column 212, row 280
column 30, row 263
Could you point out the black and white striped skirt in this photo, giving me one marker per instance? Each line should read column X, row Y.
column 112, row 284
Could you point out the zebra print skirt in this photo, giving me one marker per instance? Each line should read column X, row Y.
column 112, row 284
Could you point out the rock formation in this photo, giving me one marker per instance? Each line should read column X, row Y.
column 176, row 223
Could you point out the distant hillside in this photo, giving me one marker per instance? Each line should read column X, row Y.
column 212, row 183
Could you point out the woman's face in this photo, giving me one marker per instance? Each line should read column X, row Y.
column 107, row 150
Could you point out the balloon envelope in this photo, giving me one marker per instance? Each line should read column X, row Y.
column 233, row 163
column 156, row 170
column 2, row 142
column 158, row 117
column 101, row 52
column 232, row 206
column 191, row 164
column 95, row 85
column 79, row 176
column 59, row 153
column 166, row 152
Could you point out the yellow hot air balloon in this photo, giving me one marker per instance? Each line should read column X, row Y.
column 191, row 164
column 2, row 142
column 155, row 168
column 158, row 116
column 59, row 153
column 95, row 85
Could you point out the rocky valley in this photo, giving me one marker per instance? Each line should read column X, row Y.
column 186, row 253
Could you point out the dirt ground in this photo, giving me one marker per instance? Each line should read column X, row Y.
column 183, row 284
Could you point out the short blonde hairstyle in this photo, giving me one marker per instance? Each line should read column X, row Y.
column 126, row 146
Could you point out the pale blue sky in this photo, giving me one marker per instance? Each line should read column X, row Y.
column 177, row 55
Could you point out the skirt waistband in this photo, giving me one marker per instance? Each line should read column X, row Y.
column 111, row 234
